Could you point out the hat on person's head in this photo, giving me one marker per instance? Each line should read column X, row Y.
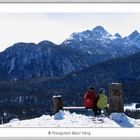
column 91, row 88
column 102, row 90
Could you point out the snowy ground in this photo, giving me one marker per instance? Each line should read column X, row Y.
column 67, row 119
column 131, row 107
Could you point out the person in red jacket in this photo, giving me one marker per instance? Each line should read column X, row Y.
column 90, row 100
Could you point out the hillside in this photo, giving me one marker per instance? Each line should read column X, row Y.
column 28, row 60
column 125, row 70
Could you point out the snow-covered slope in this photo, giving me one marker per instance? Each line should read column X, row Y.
column 131, row 107
column 99, row 41
column 67, row 119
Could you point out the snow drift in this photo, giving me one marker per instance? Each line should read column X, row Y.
column 67, row 119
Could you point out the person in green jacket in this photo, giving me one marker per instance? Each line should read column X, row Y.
column 102, row 101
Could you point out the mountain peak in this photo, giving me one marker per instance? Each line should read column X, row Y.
column 100, row 31
column 117, row 35
column 46, row 43
column 134, row 34
column 99, row 28
column 21, row 45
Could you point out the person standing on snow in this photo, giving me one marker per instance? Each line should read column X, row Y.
column 90, row 100
column 102, row 101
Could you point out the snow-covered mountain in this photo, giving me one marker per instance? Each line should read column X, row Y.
column 99, row 41
column 28, row 60
column 67, row 119
column 80, row 50
column 135, row 38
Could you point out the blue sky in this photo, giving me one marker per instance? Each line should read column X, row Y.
column 56, row 27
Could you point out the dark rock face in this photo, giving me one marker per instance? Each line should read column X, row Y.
column 28, row 60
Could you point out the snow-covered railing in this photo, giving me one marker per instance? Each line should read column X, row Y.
column 115, row 100
column 58, row 105
column 73, row 107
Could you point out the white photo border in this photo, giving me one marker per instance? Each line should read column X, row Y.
column 69, row 8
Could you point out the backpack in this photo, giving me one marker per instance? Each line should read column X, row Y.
column 102, row 101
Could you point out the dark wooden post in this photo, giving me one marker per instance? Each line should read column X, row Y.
column 57, row 103
column 115, row 98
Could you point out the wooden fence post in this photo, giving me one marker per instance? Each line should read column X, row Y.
column 57, row 103
column 115, row 98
